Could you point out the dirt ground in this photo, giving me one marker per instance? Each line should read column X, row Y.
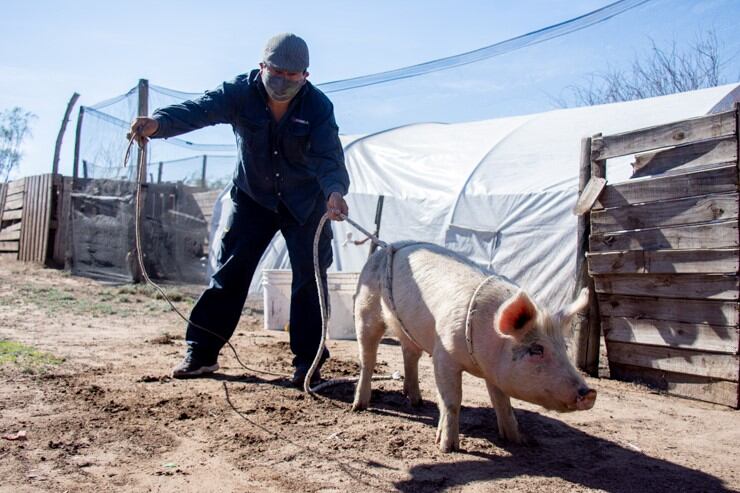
column 109, row 418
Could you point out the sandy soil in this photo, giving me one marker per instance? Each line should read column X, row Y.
column 108, row 418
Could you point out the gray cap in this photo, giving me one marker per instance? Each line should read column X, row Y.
column 287, row 51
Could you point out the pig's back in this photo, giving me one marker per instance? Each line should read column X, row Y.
column 432, row 287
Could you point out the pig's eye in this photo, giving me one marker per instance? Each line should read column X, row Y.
column 536, row 350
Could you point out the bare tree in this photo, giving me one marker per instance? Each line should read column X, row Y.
column 662, row 71
column 14, row 128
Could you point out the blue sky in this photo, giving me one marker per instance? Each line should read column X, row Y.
column 100, row 49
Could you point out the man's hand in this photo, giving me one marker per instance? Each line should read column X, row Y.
column 336, row 207
column 142, row 128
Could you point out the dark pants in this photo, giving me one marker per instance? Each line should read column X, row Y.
column 250, row 228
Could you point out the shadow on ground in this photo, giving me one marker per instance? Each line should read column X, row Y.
column 562, row 452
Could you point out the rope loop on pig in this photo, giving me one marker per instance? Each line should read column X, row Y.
column 326, row 310
column 469, row 320
column 392, row 249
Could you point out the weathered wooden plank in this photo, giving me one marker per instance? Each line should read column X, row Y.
column 206, row 201
column 36, row 217
column 15, row 195
column 33, row 251
column 186, row 217
column 690, row 210
column 14, row 202
column 45, row 212
column 9, row 255
column 585, row 329
column 13, row 215
column 682, row 158
column 589, row 195
column 27, row 219
column 10, row 235
column 8, row 246
column 698, row 236
column 3, row 190
column 699, row 337
column 667, row 135
column 720, row 261
column 27, row 222
column 62, row 218
column 695, row 286
column 12, row 227
column 688, row 362
column 206, row 205
column 690, row 386
column 16, row 186
column 701, row 182
column 691, row 311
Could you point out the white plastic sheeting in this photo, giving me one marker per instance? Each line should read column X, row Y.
column 498, row 191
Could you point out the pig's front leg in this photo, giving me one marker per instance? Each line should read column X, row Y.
column 448, row 376
column 508, row 427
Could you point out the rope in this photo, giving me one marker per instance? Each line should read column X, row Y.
column 140, row 258
column 389, row 290
column 353, row 472
column 325, row 312
column 469, row 320
column 322, row 301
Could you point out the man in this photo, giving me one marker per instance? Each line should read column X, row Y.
column 290, row 171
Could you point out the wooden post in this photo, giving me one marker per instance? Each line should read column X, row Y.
column 58, row 146
column 76, row 162
column 203, row 171
column 143, row 110
column 3, row 195
column 143, row 91
column 737, row 136
column 582, row 278
column 378, row 216
column 737, row 167
column 159, row 172
column 593, row 334
column 587, row 330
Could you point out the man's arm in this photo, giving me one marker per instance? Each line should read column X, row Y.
column 326, row 151
column 217, row 106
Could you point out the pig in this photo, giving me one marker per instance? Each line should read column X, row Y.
column 425, row 291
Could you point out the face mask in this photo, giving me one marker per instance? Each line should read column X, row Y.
column 279, row 88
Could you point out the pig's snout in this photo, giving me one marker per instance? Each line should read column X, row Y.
column 586, row 398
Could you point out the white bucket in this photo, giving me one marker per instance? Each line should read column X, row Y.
column 276, row 284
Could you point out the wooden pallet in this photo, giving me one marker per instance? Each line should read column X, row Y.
column 663, row 255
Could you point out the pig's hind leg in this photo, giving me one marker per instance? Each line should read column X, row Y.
column 370, row 328
column 411, row 355
column 508, row 428
column 448, row 376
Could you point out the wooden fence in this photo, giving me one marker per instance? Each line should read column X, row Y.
column 663, row 255
column 25, row 218
column 206, row 201
column 33, row 219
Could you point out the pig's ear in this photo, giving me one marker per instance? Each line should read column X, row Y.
column 516, row 316
column 565, row 315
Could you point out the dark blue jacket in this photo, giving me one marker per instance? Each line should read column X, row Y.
column 293, row 161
